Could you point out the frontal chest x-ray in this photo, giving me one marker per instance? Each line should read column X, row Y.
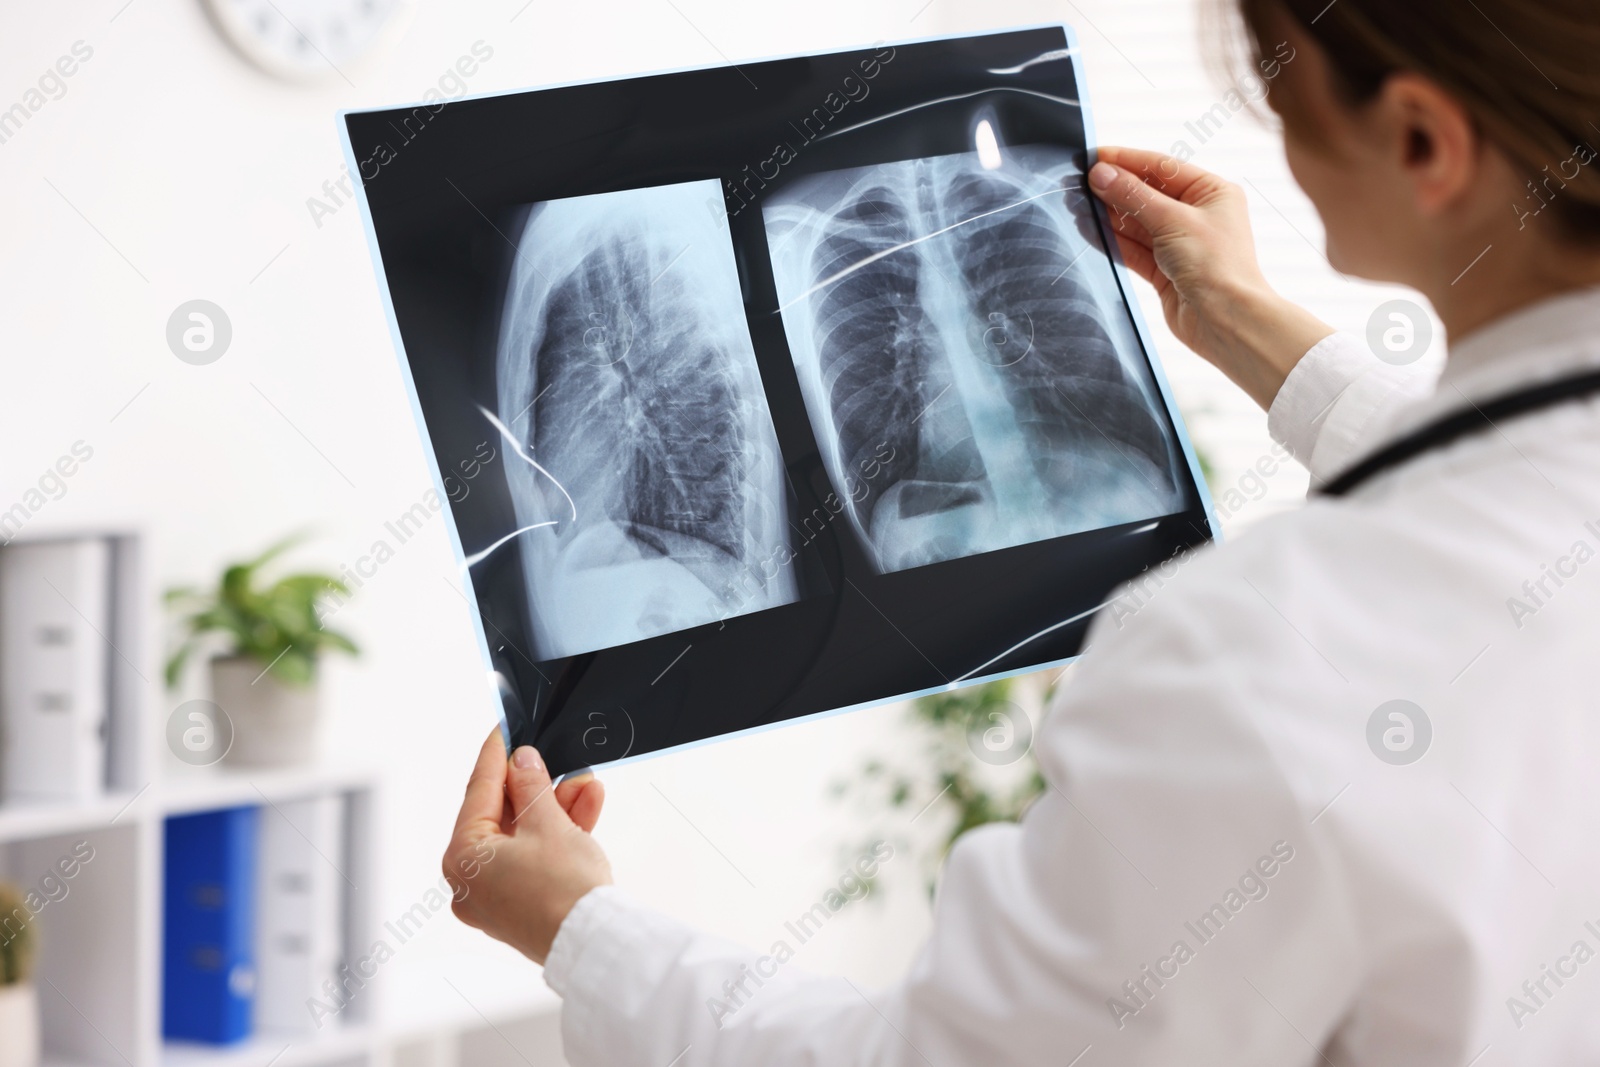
column 645, row 473
column 956, row 321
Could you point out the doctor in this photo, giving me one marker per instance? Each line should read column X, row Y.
column 1249, row 853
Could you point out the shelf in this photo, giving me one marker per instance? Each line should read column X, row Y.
column 27, row 820
column 462, row 991
column 448, row 995
column 337, row 1043
column 101, row 942
column 234, row 788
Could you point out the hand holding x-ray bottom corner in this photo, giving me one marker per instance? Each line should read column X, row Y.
column 521, row 855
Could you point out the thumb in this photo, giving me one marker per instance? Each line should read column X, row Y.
column 528, row 788
column 1128, row 194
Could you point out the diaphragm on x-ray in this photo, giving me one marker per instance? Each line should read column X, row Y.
column 956, row 321
column 645, row 472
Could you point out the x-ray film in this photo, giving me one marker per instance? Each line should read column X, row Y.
column 956, row 314
column 760, row 392
column 644, row 470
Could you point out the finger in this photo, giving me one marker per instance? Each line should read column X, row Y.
column 1130, row 227
column 1126, row 194
column 1167, row 174
column 1139, row 259
column 1121, row 222
column 486, row 797
column 568, row 788
column 533, row 799
column 586, row 805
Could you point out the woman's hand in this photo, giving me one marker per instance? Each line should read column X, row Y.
column 521, row 855
column 1187, row 232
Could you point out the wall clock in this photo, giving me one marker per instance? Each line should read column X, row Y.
column 309, row 40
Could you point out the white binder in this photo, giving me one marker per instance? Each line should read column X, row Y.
column 55, row 627
column 299, row 933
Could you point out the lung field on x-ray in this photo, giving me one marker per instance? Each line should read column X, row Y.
column 645, row 471
column 965, row 322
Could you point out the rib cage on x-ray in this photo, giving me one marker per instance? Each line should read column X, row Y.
column 965, row 323
column 626, row 372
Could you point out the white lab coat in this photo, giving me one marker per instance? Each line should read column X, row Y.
column 1223, row 870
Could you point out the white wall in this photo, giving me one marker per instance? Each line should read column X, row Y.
column 171, row 170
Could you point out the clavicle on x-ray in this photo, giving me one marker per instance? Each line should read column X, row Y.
column 644, row 471
column 955, row 320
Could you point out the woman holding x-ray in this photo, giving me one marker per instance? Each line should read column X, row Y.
column 1325, row 799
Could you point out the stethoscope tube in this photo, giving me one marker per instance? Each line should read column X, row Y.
column 1453, row 427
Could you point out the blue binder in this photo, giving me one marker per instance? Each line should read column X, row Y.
column 208, row 951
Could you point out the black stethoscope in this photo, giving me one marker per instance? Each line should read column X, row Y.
column 1451, row 428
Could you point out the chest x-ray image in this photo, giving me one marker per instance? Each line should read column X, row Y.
column 644, row 469
column 752, row 404
column 965, row 355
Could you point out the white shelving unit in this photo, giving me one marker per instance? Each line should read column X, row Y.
column 99, row 967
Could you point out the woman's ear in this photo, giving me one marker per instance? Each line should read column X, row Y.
column 1431, row 140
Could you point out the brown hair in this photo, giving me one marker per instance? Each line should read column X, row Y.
column 1528, row 71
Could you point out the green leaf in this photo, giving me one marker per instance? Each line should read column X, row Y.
column 312, row 586
column 176, row 662
column 294, row 667
column 262, row 621
column 276, row 550
column 338, row 640
column 947, row 781
column 18, row 946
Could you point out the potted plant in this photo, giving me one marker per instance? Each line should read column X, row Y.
column 19, row 1000
column 265, row 680
column 976, row 766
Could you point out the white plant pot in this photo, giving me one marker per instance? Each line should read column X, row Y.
column 274, row 725
column 19, row 1026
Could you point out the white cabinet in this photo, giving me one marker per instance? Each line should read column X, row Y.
column 99, row 971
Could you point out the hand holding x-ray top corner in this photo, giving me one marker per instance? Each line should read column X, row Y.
column 1186, row 231
column 521, row 854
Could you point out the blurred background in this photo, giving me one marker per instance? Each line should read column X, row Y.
column 192, row 155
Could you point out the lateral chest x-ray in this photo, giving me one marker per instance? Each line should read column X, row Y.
column 625, row 367
column 799, row 398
